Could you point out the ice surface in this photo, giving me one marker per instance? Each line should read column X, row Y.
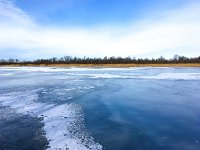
column 101, row 72
column 60, row 121
column 64, row 122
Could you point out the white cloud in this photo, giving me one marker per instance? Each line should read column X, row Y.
column 9, row 14
column 172, row 32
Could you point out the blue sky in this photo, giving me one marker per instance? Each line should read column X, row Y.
column 32, row 29
column 92, row 12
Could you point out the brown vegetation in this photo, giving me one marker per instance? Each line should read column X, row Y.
column 67, row 61
column 105, row 65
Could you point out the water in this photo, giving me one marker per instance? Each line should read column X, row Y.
column 99, row 108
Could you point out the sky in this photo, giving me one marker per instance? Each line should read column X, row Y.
column 31, row 29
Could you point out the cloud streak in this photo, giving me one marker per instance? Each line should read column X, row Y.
column 172, row 32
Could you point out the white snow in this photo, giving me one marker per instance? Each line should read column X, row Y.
column 175, row 76
column 172, row 76
column 6, row 74
column 67, row 69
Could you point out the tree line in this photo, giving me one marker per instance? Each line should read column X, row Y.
column 106, row 60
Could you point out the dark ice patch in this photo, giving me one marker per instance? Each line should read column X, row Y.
column 21, row 132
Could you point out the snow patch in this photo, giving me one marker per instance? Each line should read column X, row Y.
column 6, row 74
column 171, row 76
column 175, row 76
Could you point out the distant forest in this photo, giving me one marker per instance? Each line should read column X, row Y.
column 106, row 60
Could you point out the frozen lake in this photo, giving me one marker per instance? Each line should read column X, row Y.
column 147, row 108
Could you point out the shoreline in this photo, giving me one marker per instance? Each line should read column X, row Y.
column 103, row 65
